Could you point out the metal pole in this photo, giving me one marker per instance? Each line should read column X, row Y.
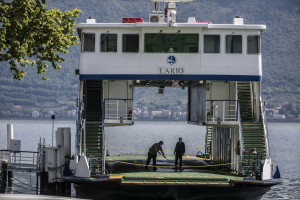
column 224, row 111
column 103, row 138
column 53, row 118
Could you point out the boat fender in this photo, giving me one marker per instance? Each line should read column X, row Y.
column 238, row 147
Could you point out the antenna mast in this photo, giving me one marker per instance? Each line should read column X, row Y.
column 170, row 10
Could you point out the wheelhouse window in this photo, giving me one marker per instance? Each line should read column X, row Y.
column 130, row 43
column 253, row 44
column 88, row 42
column 171, row 43
column 233, row 44
column 211, row 43
column 108, row 42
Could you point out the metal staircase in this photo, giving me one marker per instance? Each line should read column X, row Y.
column 253, row 132
column 254, row 137
column 93, row 124
column 208, row 139
column 245, row 100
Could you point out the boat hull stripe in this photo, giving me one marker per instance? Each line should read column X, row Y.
column 169, row 77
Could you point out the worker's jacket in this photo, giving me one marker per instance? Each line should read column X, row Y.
column 180, row 148
column 155, row 148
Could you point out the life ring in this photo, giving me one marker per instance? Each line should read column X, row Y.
column 238, row 147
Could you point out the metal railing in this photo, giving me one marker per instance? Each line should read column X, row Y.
column 265, row 124
column 221, row 110
column 20, row 160
column 118, row 110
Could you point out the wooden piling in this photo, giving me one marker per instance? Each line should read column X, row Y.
column 3, row 176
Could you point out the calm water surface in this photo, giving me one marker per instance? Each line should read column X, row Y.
column 284, row 140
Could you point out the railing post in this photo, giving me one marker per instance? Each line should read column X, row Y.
column 117, row 109
column 126, row 110
column 213, row 111
column 224, row 111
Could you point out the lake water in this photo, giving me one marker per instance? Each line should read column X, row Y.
column 284, row 141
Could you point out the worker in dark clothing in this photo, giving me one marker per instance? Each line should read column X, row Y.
column 179, row 151
column 152, row 154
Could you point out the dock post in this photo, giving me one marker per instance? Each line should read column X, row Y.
column 67, row 189
column 10, row 178
column 10, row 136
column 37, row 183
column 3, row 176
column 43, row 182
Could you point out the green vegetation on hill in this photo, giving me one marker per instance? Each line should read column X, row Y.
column 280, row 50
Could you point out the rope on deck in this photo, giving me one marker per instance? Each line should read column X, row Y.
column 168, row 166
column 147, row 150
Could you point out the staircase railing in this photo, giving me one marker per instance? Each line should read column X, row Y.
column 241, row 134
column 265, row 125
column 239, row 118
column 223, row 110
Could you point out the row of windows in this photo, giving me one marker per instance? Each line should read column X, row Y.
column 170, row 43
column 233, row 44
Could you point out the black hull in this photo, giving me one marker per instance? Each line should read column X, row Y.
column 114, row 191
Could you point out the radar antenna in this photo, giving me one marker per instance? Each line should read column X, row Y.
column 170, row 9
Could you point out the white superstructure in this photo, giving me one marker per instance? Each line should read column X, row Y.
column 139, row 50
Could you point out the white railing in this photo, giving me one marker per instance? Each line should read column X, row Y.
column 264, row 120
column 118, row 110
column 221, row 110
column 20, row 160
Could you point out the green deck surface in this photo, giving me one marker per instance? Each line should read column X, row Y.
column 131, row 168
column 127, row 157
column 178, row 176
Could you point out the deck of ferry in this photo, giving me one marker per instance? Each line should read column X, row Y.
column 131, row 169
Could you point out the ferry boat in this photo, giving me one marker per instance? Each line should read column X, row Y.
column 221, row 66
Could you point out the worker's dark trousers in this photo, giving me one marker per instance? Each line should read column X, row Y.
column 178, row 156
column 150, row 156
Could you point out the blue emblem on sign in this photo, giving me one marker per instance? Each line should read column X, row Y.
column 171, row 60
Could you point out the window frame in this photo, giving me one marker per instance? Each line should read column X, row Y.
column 219, row 48
column 136, row 34
column 173, row 34
column 83, row 42
column 241, row 44
column 258, row 47
column 108, row 43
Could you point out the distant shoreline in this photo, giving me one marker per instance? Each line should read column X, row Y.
column 137, row 120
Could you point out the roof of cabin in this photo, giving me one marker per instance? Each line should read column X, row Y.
column 179, row 25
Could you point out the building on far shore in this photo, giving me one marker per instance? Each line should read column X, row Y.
column 35, row 114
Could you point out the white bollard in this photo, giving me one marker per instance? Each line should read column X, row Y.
column 10, row 134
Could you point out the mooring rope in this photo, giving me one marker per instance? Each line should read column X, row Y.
column 145, row 149
column 168, row 166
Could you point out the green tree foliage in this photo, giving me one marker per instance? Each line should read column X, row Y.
column 30, row 34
